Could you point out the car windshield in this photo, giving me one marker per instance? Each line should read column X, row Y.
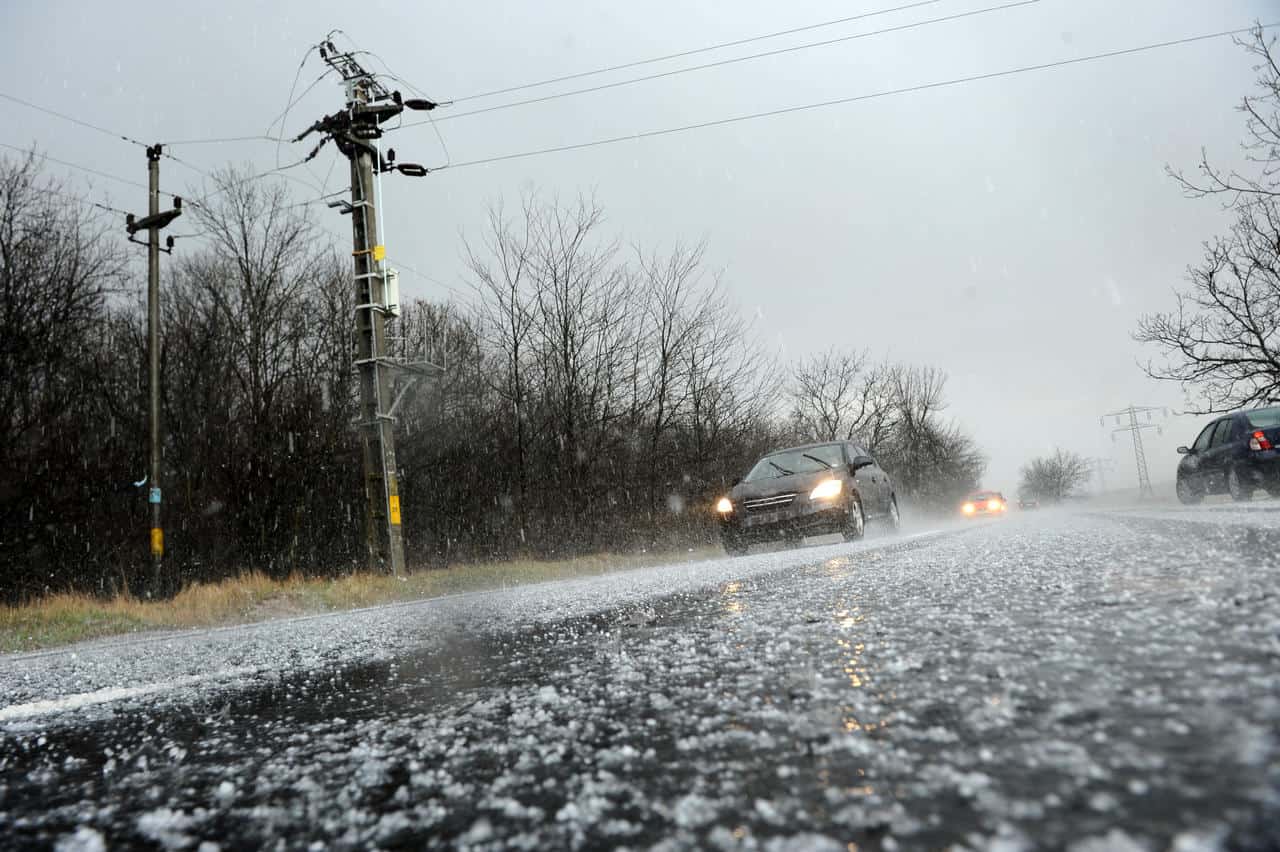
column 799, row 460
column 1263, row 418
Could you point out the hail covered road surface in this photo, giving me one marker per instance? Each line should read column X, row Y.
column 1076, row 681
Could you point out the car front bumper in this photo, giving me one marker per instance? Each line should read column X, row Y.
column 791, row 522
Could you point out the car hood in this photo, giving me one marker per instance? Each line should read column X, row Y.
column 801, row 483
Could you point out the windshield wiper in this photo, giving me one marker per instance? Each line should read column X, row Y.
column 818, row 460
column 782, row 469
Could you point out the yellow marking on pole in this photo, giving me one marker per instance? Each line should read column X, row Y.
column 379, row 252
column 395, row 509
column 157, row 541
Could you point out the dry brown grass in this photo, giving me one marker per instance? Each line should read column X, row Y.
column 65, row 618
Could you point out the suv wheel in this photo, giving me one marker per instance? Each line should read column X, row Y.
column 1187, row 495
column 734, row 546
column 1236, row 487
column 855, row 526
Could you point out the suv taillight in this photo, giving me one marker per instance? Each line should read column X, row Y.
column 1259, row 441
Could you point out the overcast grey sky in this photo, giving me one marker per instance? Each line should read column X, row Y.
column 1010, row 231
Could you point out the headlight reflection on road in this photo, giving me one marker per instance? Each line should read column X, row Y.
column 837, row 567
column 853, row 666
column 846, row 619
column 856, row 670
column 730, row 592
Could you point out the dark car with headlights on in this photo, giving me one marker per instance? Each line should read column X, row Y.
column 814, row 489
column 1236, row 454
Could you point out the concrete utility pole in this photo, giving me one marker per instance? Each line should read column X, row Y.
column 153, row 222
column 1135, row 428
column 354, row 131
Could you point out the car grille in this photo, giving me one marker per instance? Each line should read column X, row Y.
column 764, row 504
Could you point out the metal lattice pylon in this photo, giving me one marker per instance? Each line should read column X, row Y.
column 1135, row 428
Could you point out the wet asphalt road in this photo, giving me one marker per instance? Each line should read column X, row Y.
column 1077, row 681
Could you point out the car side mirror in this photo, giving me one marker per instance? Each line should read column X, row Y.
column 859, row 462
column 1184, row 451
column 735, row 481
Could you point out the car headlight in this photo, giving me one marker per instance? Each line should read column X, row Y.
column 826, row 490
column 968, row 508
column 724, row 506
column 994, row 505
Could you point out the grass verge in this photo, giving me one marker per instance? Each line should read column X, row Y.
column 66, row 618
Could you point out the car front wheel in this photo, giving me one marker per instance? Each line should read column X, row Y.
column 1236, row 486
column 734, row 546
column 895, row 517
column 855, row 526
column 1187, row 494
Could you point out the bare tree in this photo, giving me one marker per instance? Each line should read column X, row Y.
column 933, row 461
column 679, row 311
column 504, row 277
column 1262, row 136
column 581, row 329
column 1220, row 341
column 1054, row 477
column 252, row 302
column 57, row 268
column 841, row 395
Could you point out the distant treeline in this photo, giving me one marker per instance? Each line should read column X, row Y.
column 596, row 396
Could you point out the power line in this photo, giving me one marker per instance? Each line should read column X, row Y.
column 397, row 264
column 200, row 201
column 276, row 172
column 83, row 200
column 735, row 60
column 91, row 171
column 91, row 126
column 261, row 137
column 324, row 198
column 220, row 140
column 183, row 162
column 430, row 118
column 72, row 119
column 284, row 116
column 956, row 81
column 696, row 51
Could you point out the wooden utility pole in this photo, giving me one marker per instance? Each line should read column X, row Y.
column 152, row 223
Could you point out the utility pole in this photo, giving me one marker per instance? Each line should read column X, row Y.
column 152, row 223
column 354, row 130
column 1135, row 428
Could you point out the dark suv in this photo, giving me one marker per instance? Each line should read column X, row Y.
column 1235, row 454
column 808, row 490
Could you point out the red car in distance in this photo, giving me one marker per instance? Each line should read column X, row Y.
column 981, row 503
